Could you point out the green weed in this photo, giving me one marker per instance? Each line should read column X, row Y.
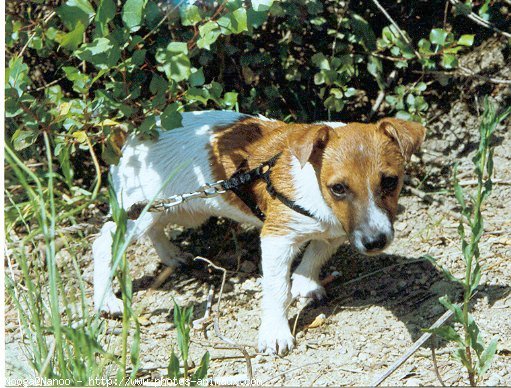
column 472, row 351
column 183, row 322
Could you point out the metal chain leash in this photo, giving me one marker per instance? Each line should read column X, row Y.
column 208, row 190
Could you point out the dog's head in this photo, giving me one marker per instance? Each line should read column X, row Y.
column 360, row 170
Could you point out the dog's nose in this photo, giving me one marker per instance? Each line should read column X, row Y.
column 375, row 243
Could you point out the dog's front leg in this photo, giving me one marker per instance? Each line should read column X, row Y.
column 306, row 282
column 277, row 254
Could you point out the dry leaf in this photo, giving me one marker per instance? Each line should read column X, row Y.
column 318, row 321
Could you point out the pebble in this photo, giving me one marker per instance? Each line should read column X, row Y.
column 259, row 359
column 413, row 382
column 493, row 380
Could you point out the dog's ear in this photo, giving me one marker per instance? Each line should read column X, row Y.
column 303, row 142
column 409, row 135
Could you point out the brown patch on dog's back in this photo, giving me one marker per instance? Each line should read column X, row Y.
column 243, row 144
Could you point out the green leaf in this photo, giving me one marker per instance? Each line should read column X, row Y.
column 487, row 357
column 190, row 15
column 132, row 13
column 74, row 12
column 364, row 32
column 148, row 126
column 230, row 99
column 101, row 52
column 202, row 371
column 476, row 341
column 446, row 332
column 209, row 33
column 106, row 12
column 158, row 84
column 466, row 40
column 261, row 5
column 197, row 78
column 175, row 61
column 138, row 57
column 234, row 22
column 461, row 355
column 375, row 68
column 171, row 118
column 173, row 367
column 438, row 36
column 458, row 314
column 321, row 61
column 72, row 39
column 17, row 74
column 80, row 81
column 424, row 46
column 22, row 139
column 449, row 61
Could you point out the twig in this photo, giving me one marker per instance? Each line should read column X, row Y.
column 45, row 21
column 465, row 72
column 477, row 19
column 423, row 338
column 472, row 182
column 203, row 322
column 403, row 35
column 217, row 316
column 381, row 94
column 55, row 81
column 435, row 364
column 446, row 10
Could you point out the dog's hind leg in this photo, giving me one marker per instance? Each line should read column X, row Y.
column 169, row 254
column 306, row 282
column 104, row 298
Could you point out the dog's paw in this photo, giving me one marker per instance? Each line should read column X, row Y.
column 304, row 287
column 111, row 307
column 275, row 339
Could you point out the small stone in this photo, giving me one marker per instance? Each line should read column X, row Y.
column 493, row 380
column 259, row 359
column 413, row 382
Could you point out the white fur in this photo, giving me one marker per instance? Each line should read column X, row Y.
column 141, row 173
column 182, row 153
column 333, row 124
column 306, row 276
column 325, row 224
column 277, row 256
column 377, row 221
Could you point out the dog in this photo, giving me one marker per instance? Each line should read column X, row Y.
column 325, row 184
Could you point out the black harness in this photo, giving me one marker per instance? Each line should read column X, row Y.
column 238, row 183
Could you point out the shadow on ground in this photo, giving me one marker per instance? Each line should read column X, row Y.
column 408, row 287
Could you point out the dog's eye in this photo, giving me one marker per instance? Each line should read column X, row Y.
column 339, row 190
column 389, row 184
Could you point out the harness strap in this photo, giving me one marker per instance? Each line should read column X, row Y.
column 240, row 180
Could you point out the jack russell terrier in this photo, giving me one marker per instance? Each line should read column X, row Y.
column 326, row 183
